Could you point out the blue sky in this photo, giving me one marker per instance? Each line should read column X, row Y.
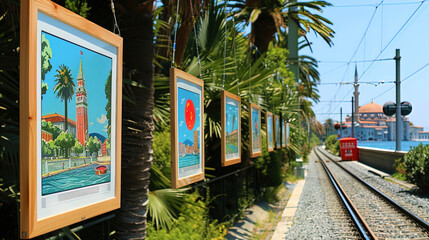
column 183, row 96
column 231, row 111
column 349, row 23
column 96, row 68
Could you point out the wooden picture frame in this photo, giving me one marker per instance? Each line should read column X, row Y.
column 186, row 118
column 277, row 132
column 53, row 35
column 270, row 131
column 231, row 128
column 255, row 135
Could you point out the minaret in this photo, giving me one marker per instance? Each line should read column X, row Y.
column 356, row 93
column 81, row 108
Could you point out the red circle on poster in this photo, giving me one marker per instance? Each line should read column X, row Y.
column 190, row 114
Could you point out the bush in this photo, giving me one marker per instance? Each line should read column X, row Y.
column 416, row 166
column 333, row 145
column 193, row 224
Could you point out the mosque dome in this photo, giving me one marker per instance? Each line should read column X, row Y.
column 371, row 108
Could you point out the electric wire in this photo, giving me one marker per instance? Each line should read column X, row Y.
column 393, row 38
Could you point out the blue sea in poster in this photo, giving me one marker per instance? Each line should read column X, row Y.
column 277, row 132
column 189, row 127
column 77, row 178
column 256, row 130
column 232, row 128
column 270, row 131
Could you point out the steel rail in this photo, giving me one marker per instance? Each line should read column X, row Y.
column 361, row 225
column 404, row 210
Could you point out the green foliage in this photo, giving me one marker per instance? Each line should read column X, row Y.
column 108, row 92
column 193, row 224
column 65, row 141
column 50, row 128
column 47, row 151
column 78, row 148
column 46, row 55
column 332, row 144
column 78, row 6
column 93, row 145
column 416, row 166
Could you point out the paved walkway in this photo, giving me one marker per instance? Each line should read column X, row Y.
column 286, row 220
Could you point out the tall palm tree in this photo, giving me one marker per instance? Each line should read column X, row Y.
column 64, row 88
column 136, row 23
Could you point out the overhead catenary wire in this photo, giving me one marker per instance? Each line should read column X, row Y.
column 393, row 38
column 405, row 79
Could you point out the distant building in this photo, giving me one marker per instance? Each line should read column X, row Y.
column 58, row 121
column 104, row 148
column 47, row 136
column 196, row 149
column 374, row 125
column 81, row 108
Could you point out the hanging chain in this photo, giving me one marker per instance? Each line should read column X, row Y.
column 235, row 58
column 175, row 33
column 250, row 70
column 224, row 49
column 116, row 26
column 195, row 33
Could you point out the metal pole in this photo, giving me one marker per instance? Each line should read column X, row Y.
column 353, row 117
column 341, row 122
column 398, row 100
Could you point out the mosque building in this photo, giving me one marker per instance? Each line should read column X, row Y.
column 371, row 124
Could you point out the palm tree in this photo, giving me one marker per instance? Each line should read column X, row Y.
column 64, row 88
column 271, row 16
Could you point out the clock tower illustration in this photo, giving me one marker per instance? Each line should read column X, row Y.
column 81, row 108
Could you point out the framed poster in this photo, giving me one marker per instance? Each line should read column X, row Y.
column 270, row 133
column 277, row 131
column 187, row 128
column 255, row 130
column 70, row 125
column 287, row 134
column 231, row 128
column 283, row 134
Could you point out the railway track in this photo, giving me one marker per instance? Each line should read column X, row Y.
column 375, row 215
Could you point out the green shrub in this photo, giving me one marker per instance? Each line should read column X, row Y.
column 416, row 166
column 193, row 224
column 332, row 144
column 331, row 140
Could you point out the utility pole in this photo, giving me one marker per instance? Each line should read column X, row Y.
column 353, row 118
column 398, row 100
column 341, row 122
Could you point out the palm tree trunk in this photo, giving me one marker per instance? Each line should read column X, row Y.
column 65, row 121
column 137, row 125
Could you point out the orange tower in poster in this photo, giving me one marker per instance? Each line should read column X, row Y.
column 81, row 108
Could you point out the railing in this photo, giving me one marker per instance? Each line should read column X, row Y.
column 231, row 192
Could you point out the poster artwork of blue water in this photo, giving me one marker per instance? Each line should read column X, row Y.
column 77, row 178
column 391, row 145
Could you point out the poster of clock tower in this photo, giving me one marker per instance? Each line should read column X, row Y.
column 81, row 108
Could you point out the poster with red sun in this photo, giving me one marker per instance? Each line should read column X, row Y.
column 255, row 130
column 231, row 128
column 187, row 135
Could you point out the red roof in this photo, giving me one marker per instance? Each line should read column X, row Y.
column 54, row 118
